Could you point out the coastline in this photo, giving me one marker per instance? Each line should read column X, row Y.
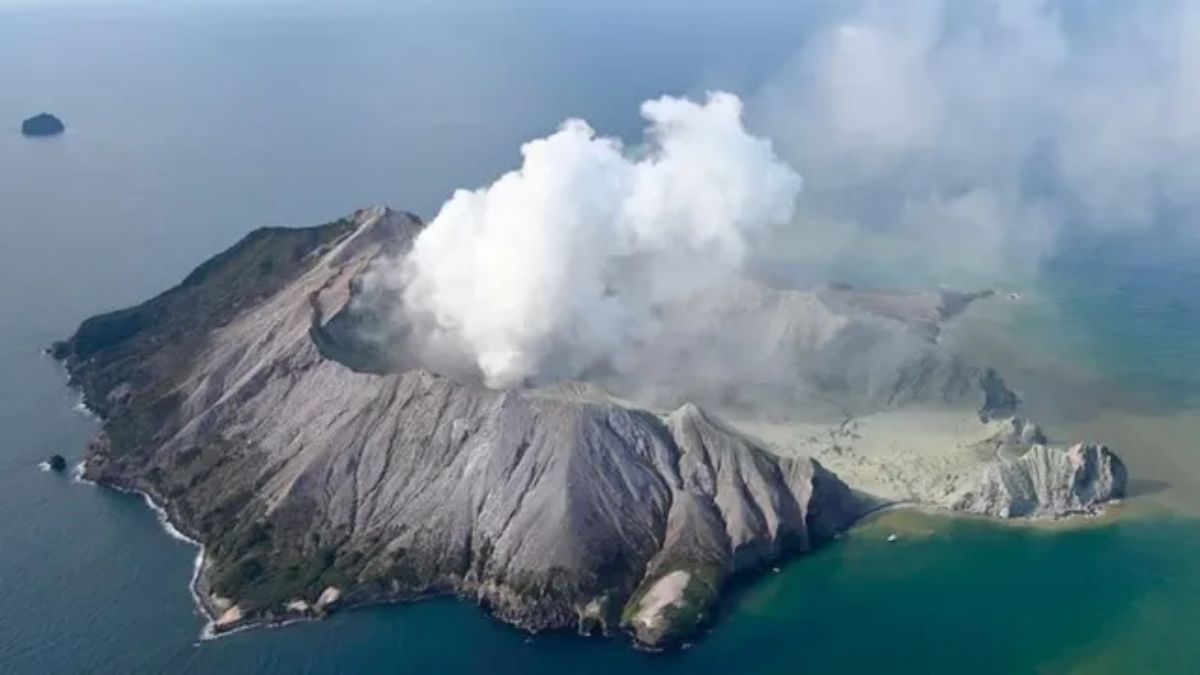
column 207, row 632
column 1104, row 515
column 79, row 476
column 211, row 629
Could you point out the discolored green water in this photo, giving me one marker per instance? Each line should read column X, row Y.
column 948, row 596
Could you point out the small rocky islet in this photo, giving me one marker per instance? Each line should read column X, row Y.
column 43, row 124
column 319, row 472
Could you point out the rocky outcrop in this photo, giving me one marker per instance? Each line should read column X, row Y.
column 1045, row 482
column 998, row 400
column 1015, row 436
column 734, row 508
column 43, row 124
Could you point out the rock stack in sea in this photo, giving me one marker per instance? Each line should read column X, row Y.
column 43, row 124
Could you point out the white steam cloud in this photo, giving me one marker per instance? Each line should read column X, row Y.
column 961, row 142
column 562, row 265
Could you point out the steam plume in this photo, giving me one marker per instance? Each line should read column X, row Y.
column 561, row 265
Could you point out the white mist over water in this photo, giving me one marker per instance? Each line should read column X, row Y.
column 975, row 138
column 563, row 263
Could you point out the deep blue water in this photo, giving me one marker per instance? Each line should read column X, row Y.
column 1137, row 295
column 191, row 123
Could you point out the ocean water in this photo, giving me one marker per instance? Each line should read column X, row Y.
column 191, row 123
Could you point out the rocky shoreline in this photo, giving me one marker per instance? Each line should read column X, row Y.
column 315, row 474
column 213, row 627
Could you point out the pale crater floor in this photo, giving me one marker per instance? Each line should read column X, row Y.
column 911, row 455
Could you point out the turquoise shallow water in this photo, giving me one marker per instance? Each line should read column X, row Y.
column 183, row 135
column 949, row 595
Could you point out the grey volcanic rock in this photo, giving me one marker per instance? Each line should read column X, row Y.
column 43, row 124
column 1016, row 436
column 57, row 463
column 1046, row 481
column 829, row 349
column 306, row 478
column 321, row 470
column 734, row 508
column 998, row 400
